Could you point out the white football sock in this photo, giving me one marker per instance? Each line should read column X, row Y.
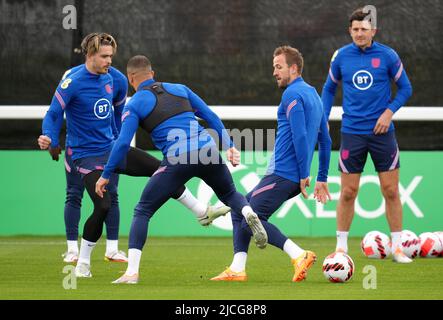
column 239, row 262
column 245, row 210
column 342, row 241
column 72, row 246
column 134, row 257
column 86, row 248
column 396, row 240
column 189, row 201
column 293, row 250
column 111, row 246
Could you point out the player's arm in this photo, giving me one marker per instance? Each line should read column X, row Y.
column 130, row 121
column 55, row 149
column 398, row 74
column 115, row 131
column 296, row 116
column 119, row 101
column 203, row 111
column 404, row 92
column 330, row 86
column 321, row 192
column 53, row 120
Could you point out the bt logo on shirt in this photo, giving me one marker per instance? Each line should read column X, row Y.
column 102, row 108
column 362, row 80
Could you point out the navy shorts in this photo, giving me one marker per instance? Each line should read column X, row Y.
column 74, row 181
column 354, row 150
column 86, row 165
column 270, row 193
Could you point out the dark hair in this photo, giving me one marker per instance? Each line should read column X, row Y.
column 359, row 15
column 138, row 62
column 92, row 42
column 292, row 55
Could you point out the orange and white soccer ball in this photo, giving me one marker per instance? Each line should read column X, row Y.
column 338, row 267
column 376, row 245
column 431, row 246
column 410, row 243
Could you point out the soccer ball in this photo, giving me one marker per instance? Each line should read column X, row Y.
column 440, row 235
column 338, row 267
column 410, row 243
column 376, row 245
column 431, row 245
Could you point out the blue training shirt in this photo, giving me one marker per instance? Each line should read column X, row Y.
column 177, row 135
column 87, row 100
column 301, row 124
column 120, row 91
column 366, row 79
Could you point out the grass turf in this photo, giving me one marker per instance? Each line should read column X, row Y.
column 180, row 269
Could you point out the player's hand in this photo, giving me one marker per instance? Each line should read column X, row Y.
column 100, row 186
column 304, row 183
column 233, row 156
column 321, row 192
column 55, row 152
column 383, row 122
column 44, row 142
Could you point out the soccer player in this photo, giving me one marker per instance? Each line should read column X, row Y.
column 85, row 97
column 167, row 111
column 365, row 68
column 301, row 124
column 74, row 184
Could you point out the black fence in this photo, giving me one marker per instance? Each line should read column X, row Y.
column 220, row 49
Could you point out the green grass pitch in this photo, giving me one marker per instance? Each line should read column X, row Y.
column 180, row 269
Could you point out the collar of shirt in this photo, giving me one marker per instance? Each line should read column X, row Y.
column 145, row 84
column 298, row 79
column 89, row 73
column 369, row 49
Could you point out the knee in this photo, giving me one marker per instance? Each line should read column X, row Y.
column 145, row 211
column 114, row 198
column 391, row 192
column 348, row 194
column 102, row 206
column 74, row 197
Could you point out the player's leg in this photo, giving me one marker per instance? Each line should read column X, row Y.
column 91, row 169
column 159, row 189
column 264, row 199
column 93, row 227
column 386, row 157
column 346, row 208
column 112, row 223
column 140, row 163
column 74, row 195
column 352, row 159
column 218, row 177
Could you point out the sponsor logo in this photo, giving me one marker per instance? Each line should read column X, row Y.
column 102, row 108
column 311, row 209
column 362, row 80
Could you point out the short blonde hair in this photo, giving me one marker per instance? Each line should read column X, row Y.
column 92, row 42
column 292, row 55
